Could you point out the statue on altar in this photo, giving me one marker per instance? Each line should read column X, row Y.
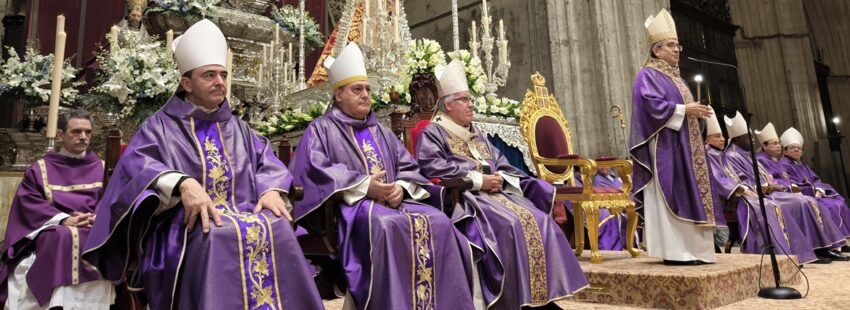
column 133, row 20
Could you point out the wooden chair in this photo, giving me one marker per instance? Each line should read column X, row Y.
column 549, row 139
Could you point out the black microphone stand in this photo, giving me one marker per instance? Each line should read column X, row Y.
column 778, row 292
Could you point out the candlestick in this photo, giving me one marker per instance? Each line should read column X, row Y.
column 286, row 73
column 113, row 39
column 60, row 23
column 474, row 44
column 365, row 19
column 169, row 39
column 290, row 53
column 698, row 79
column 501, row 30
column 56, row 85
column 396, row 30
column 276, row 33
column 484, row 7
column 265, row 53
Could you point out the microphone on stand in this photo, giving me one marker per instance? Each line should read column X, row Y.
column 778, row 292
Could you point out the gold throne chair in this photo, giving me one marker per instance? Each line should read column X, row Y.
column 550, row 142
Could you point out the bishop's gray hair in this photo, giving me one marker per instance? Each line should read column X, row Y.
column 654, row 46
column 441, row 103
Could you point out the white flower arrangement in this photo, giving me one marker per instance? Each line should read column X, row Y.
column 138, row 78
column 492, row 105
column 288, row 17
column 30, row 77
column 185, row 7
column 422, row 56
column 293, row 119
column 475, row 76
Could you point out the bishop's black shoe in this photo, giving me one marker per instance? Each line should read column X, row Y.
column 821, row 260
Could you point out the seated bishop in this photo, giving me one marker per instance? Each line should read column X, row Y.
column 802, row 176
column 527, row 261
column 739, row 196
column 396, row 253
column 50, row 218
column 815, row 221
column 197, row 205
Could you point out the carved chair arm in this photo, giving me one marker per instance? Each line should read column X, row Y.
column 587, row 168
column 624, row 171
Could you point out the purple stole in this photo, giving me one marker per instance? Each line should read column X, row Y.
column 420, row 225
column 257, row 258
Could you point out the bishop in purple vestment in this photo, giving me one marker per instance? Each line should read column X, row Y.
column 802, row 176
column 738, row 195
column 396, row 253
column 817, row 226
column 671, row 177
column 194, row 162
column 50, row 219
column 527, row 260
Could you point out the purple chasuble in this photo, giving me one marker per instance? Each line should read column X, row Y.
column 251, row 261
column 679, row 163
column 527, row 260
column 809, row 183
column 405, row 258
column 52, row 185
column 816, row 225
column 774, row 168
column 786, row 234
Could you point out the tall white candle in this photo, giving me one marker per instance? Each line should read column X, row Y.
column 60, row 23
column 56, row 84
column 396, row 28
column 229, row 73
column 113, row 39
column 501, row 30
column 276, row 33
column 169, row 39
column 290, row 53
column 365, row 20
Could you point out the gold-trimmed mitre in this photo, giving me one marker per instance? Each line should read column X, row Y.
column 137, row 5
column 660, row 27
column 347, row 67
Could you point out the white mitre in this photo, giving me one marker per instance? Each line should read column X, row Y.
column 660, row 27
column 791, row 136
column 735, row 126
column 712, row 125
column 768, row 133
column 451, row 79
column 347, row 67
column 202, row 44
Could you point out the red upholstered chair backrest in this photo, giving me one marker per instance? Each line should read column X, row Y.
column 416, row 131
column 551, row 141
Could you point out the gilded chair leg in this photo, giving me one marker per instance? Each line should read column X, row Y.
column 631, row 230
column 592, row 218
column 578, row 222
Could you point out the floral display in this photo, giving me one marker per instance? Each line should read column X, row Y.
column 293, row 119
column 475, row 76
column 492, row 105
column 422, row 56
column 30, row 77
column 136, row 79
column 288, row 17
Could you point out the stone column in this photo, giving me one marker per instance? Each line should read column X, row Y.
column 597, row 48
